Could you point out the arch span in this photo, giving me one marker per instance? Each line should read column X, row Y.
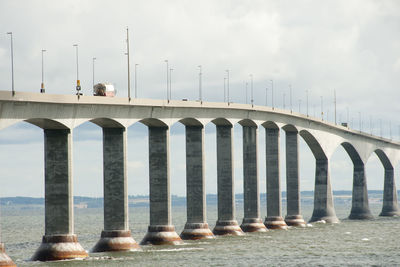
column 47, row 124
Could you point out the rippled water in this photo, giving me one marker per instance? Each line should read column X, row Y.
column 356, row 243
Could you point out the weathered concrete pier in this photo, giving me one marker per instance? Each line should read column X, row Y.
column 58, row 115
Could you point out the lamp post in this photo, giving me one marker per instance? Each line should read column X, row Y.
column 272, row 89
column 246, row 83
column 129, row 65
column 251, row 90
column 170, row 83
column 284, row 100
column 307, row 101
column 166, row 61
column 12, row 63
column 334, row 97
column 224, row 89
column 93, row 60
column 359, row 120
column 227, row 85
column 200, row 83
column 348, row 116
column 290, row 91
column 136, row 65
column 299, row 105
column 78, row 82
column 42, row 90
column 322, row 108
column 266, row 96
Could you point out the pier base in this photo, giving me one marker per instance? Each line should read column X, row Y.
column 161, row 235
column 117, row 240
column 390, row 213
column 59, row 247
column 5, row 261
column 295, row 220
column 275, row 222
column 250, row 225
column 195, row 231
column 228, row 227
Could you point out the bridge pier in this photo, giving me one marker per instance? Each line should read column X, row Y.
column 116, row 235
column 293, row 217
column 59, row 241
column 5, row 260
column 323, row 199
column 359, row 206
column 226, row 223
column 251, row 193
column 160, row 230
column 390, row 205
column 196, row 226
column 274, row 218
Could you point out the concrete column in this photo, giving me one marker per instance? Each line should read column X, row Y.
column 5, row 260
column 293, row 217
column 359, row 206
column 323, row 199
column 251, row 192
column 116, row 235
column 226, row 223
column 196, row 226
column 274, row 218
column 390, row 206
column 160, row 231
column 59, row 241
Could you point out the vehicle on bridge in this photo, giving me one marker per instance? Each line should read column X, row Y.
column 104, row 89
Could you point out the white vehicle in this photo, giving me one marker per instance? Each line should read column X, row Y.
column 104, row 89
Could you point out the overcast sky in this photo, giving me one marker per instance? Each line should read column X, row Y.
column 350, row 46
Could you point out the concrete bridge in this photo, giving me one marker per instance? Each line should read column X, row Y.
column 58, row 115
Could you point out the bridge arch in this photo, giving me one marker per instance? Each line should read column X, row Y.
column 107, row 123
column 247, row 122
column 290, row 128
column 47, row 124
column 222, row 122
column 314, row 145
column 191, row 122
column 270, row 125
column 151, row 122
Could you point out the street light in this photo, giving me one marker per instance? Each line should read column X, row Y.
column 291, row 108
column 93, row 60
column 200, row 81
column 307, row 101
column 266, row 96
column 251, row 86
column 224, row 89
column 129, row 69
column 227, row 87
column 12, row 64
column 42, row 90
column 166, row 61
column 284, row 98
column 322, row 108
column 334, row 96
column 246, row 91
column 299, row 105
column 170, row 83
column 78, row 82
column 136, row 65
column 272, row 89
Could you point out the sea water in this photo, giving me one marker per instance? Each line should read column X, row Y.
column 350, row 243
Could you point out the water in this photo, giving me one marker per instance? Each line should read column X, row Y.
column 357, row 243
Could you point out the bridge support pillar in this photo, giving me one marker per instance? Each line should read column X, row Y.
column 293, row 217
column 116, row 235
column 59, row 241
column 390, row 206
column 323, row 199
column 251, row 193
column 274, row 218
column 160, row 231
column 360, row 207
column 226, row 223
column 5, row 260
column 196, row 226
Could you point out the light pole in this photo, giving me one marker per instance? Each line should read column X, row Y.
column 272, row 89
column 334, row 97
column 170, row 83
column 348, row 117
column 307, row 101
column 284, row 98
column 322, row 108
column 136, row 65
column 299, row 105
column 12, row 64
column 200, row 81
column 266, row 96
column 224, row 89
column 78, row 82
column 227, row 85
column 251, row 89
column 42, row 90
column 359, row 120
column 129, row 65
column 93, row 60
column 291, row 107
column 380, row 126
column 246, row 84
column 370, row 123
column 166, row 61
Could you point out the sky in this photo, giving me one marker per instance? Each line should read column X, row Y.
column 352, row 47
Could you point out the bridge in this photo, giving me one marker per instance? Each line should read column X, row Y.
column 58, row 115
